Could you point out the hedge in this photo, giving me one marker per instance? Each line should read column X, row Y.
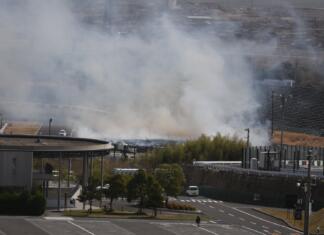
column 22, row 203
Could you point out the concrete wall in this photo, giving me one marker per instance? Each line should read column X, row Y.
column 16, row 169
column 245, row 188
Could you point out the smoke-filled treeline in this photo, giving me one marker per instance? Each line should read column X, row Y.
column 169, row 83
column 217, row 148
column 161, row 81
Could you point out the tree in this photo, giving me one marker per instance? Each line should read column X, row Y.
column 136, row 189
column 154, row 194
column 90, row 193
column 171, row 178
column 117, row 188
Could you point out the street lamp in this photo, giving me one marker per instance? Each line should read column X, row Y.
column 306, row 186
column 247, row 145
column 49, row 126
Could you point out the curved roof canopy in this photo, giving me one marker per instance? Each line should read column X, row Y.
column 32, row 143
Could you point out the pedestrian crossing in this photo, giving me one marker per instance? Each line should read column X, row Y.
column 199, row 200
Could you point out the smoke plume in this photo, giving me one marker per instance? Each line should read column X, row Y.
column 163, row 81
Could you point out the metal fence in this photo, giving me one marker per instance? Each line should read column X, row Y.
column 292, row 159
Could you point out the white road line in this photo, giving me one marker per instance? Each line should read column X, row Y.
column 209, row 200
column 211, row 207
column 242, row 219
column 279, row 225
column 182, row 200
column 204, row 201
column 265, row 227
column 266, row 231
column 253, row 230
column 59, row 218
column 2, row 232
column 199, row 201
column 251, row 222
column 193, row 200
column 208, row 231
column 188, row 201
column 222, row 211
column 230, row 214
column 80, row 227
column 213, row 222
column 277, row 231
column 215, row 201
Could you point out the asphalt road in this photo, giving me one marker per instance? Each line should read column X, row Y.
column 224, row 219
column 242, row 216
column 68, row 226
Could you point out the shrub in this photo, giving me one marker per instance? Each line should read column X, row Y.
column 178, row 206
column 22, row 203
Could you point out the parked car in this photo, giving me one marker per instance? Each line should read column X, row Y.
column 62, row 132
column 192, row 191
column 104, row 187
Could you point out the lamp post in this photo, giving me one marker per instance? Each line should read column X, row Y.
column 49, row 126
column 308, row 193
column 306, row 186
column 247, row 145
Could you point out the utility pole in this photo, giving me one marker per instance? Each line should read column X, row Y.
column 49, row 126
column 272, row 112
column 284, row 99
column 308, row 192
column 247, row 145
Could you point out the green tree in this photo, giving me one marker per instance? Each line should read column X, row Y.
column 171, row 178
column 136, row 189
column 90, row 193
column 154, row 194
column 117, row 188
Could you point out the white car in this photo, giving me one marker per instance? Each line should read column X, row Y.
column 192, row 191
column 105, row 187
column 62, row 132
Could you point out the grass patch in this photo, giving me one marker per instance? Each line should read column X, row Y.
column 316, row 218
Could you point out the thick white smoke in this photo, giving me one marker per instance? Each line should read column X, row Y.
column 172, row 84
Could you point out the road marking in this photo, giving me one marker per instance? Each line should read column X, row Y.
column 222, row 211
column 2, row 232
column 230, row 214
column 204, row 201
column 251, row 222
column 266, row 231
column 199, row 201
column 209, row 200
column 193, row 200
column 182, row 200
column 213, row 222
column 253, row 230
column 80, row 227
column 265, row 227
column 279, row 225
column 188, row 201
column 242, row 219
column 59, row 218
column 208, row 231
column 277, row 231
column 211, row 207
column 215, row 201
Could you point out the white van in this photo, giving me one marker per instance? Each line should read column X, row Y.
column 192, row 191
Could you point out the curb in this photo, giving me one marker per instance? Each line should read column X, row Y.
column 182, row 211
column 282, row 220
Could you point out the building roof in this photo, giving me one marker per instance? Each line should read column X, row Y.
column 32, row 143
